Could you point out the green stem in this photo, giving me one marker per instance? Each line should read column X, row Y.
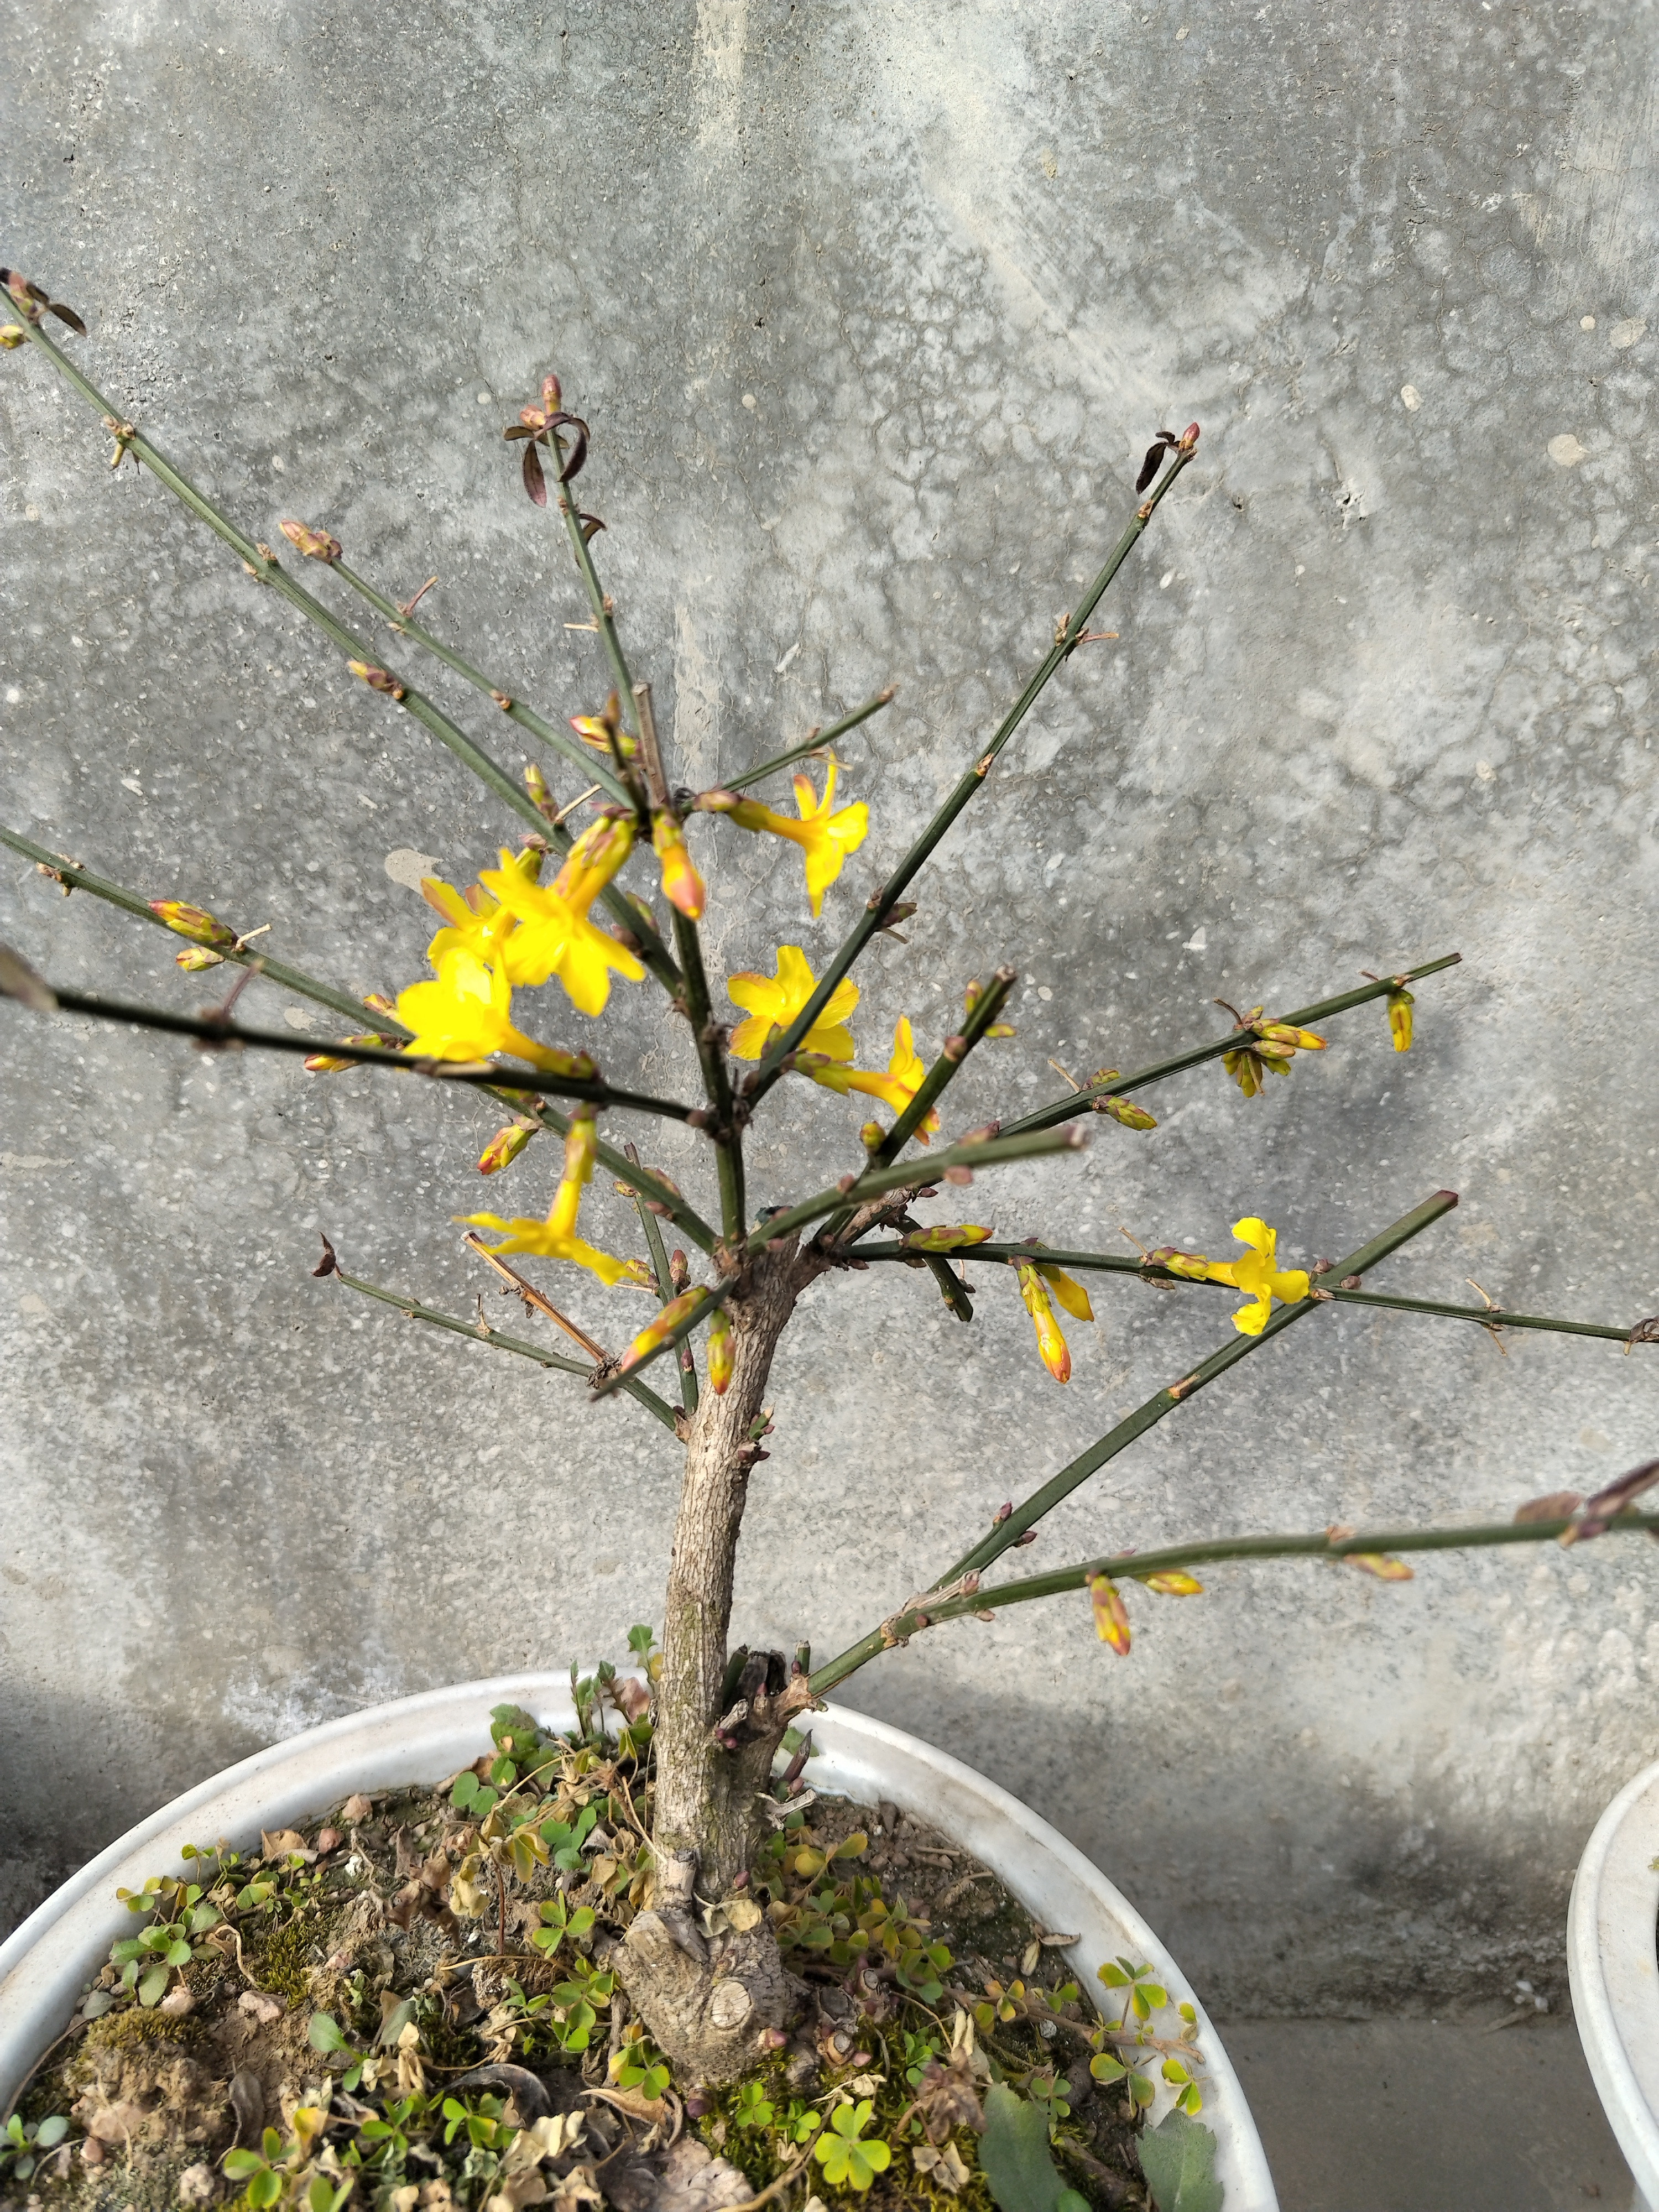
column 1114, row 1263
column 1132, row 1565
column 596, row 599
column 412, row 1309
column 782, row 1225
column 957, row 1050
column 665, row 1290
column 219, row 1031
column 576, row 753
column 876, row 913
column 1187, row 1386
column 264, row 568
column 817, row 743
column 717, row 1082
column 855, row 1189
column 1063, row 1108
column 273, row 971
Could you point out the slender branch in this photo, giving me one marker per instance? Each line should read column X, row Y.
column 881, row 905
column 218, row 1031
column 810, row 747
column 273, row 971
column 665, row 1290
column 264, row 568
column 708, row 1036
column 957, row 1050
column 596, row 597
column 516, row 710
column 968, row 1153
column 1318, row 1543
column 1115, row 1263
column 989, row 1005
column 1063, row 1108
column 1187, row 1386
column 481, row 1332
column 685, row 1216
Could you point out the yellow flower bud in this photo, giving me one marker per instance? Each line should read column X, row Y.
column 1172, row 1582
column 378, row 679
column 1192, row 1265
column 657, row 1333
column 504, row 1148
column 1401, row 1003
column 945, row 1239
column 194, row 958
column 325, row 1063
column 1379, row 1565
column 720, row 1354
column 1126, row 1111
column 193, row 922
column 315, row 544
column 1111, row 1621
column 1051, row 1344
column 682, row 886
column 13, row 334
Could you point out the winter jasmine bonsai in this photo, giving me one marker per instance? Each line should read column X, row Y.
column 602, row 893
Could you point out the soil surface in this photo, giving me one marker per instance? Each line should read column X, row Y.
column 406, row 2006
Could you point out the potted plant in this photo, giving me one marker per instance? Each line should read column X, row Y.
column 705, row 1911
column 1612, row 1970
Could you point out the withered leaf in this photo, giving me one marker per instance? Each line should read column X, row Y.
column 576, row 458
column 1559, row 1505
column 328, row 1265
column 65, row 315
column 535, row 483
column 1149, row 466
column 19, row 981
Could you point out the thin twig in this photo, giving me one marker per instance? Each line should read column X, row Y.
column 1060, row 1109
column 814, row 744
column 880, row 906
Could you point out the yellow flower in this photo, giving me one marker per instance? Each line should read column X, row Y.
column 477, row 922
column 1401, row 1003
column 825, row 837
column 554, row 936
column 1258, row 1276
column 1051, row 1344
column 905, row 1071
column 465, row 1015
column 772, row 1002
column 1111, row 1618
column 555, row 1238
column 682, row 886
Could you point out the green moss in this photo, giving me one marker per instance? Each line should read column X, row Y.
column 134, row 2026
column 281, row 1960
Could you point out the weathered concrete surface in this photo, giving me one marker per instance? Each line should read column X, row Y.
column 1381, row 690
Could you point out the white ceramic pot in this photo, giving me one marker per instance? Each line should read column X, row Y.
column 46, row 1962
column 1613, row 1966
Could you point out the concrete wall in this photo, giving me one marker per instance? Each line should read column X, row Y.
column 872, row 309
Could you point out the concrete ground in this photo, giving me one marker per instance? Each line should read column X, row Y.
column 1428, row 2116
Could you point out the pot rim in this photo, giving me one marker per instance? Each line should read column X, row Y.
column 1612, row 1972
column 46, row 1960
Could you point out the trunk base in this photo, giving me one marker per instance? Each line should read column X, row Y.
column 707, row 2009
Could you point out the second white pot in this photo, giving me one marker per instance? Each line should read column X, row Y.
column 1613, row 1967
column 48, row 1961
